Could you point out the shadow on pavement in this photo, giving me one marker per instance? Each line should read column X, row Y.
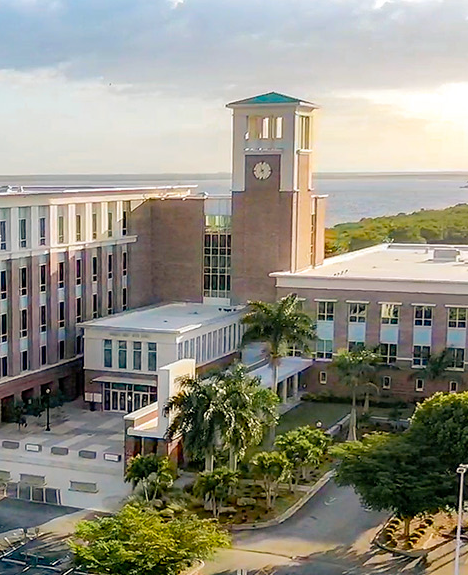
column 16, row 514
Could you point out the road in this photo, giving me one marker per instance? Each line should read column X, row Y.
column 330, row 535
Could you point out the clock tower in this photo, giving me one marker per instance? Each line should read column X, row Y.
column 278, row 222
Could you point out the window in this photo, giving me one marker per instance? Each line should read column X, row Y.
column 61, row 314
column 79, row 310
column 43, row 318
column 390, row 313
column 43, row 354
column 324, row 349
column 124, row 223
column 4, row 366
column 457, row 317
column 325, row 310
column 265, row 128
column 94, row 225
column 78, row 227
column 24, row 361
column 356, row 346
column 278, row 128
column 421, row 354
column 22, row 233
column 43, row 277
column 42, row 231
column 423, row 315
column 198, row 346
column 124, row 263
column 23, row 281
column 357, row 312
column 109, row 224
column 180, row 350
column 386, row 382
column 186, row 349
column 3, row 240
column 419, row 385
column 3, row 284
column 388, row 352
column 95, row 269
column 137, row 355
column 122, row 355
column 152, row 357
column 124, row 298
column 453, row 386
column 215, row 344
column 457, row 357
column 95, row 305
column 61, row 349
column 203, row 355
column 61, row 275
column 217, row 257
column 24, row 323
column 78, row 272
column 109, row 265
column 107, row 353
column 4, row 327
column 79, row 344
column 110, row 307
column 322, row 377
column 60, row 230
column 209, row 343
column 304, row 132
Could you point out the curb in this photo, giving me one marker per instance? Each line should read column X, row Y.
column 291, row 510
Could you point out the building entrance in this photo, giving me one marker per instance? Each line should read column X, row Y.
column 127, row 397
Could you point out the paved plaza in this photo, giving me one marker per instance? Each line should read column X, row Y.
column 81, row 458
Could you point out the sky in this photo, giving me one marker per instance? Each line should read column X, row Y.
column 140, row 86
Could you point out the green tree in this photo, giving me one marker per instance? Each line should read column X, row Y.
column 142, row 466
column 271, row 467
column 280, row 326
column 215, row 486
column 249, row 409
column 356, row 369
column 137, row 541
column 200, row 412
column 436, row 367
column 304, row 448
column 393, row 473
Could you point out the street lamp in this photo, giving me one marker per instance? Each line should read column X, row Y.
column 47, row 408
column 461, row 469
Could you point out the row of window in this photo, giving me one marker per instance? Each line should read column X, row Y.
column 389, row 353
column 61, row 224
column 390, row 314
column 136, row 355
column 211, row 345
column 387, row 382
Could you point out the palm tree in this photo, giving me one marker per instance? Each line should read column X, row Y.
column 215, row 486
column 271, row 467
column 436, row 366
column 248, row 409
column 280, row 326
column 356, row 369
column 200, row 412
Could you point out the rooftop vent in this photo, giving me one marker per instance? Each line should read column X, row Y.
column 446, row 255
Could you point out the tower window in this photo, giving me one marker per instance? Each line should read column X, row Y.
column 304, row 133
column 278, row 128
column 265, row 128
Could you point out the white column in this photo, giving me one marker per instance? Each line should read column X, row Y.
column 102, row 231
column 53, row 216
column 88, row 222
column 14, row 229
column 296, row 386
column 284, row 391
column 118, row 217
column 71, row 228
column 34, row 226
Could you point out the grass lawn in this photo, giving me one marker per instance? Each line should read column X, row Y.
column 308, row 413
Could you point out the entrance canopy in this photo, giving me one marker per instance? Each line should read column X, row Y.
column 288, row 367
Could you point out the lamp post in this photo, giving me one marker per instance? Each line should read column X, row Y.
column 47, row 408
column 461, row 469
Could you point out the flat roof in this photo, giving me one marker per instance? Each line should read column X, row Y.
column 12, row 191
column 170, row 318
column 408, row 262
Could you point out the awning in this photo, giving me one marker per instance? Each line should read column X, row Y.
column 127, row 380
column 288, row 367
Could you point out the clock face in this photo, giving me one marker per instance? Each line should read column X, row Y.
column 262, row 171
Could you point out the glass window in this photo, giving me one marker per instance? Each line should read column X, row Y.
column 107, row 353
column 457, row 317
column 78, row 227
column 4, row 366
column 43, row 277
column 325, row 310
column 124, row 223
column 61, row 314
column 4, row 327
column 137, row 355
column 388, row 352
column 110, row 305
column 61, row 349
column 23, row 281
column 24, row 361
column 79, row 310
column 386, row 382
column 23, row 233
column 453, row 386
column 324, row 349
column 124, row 298
column 95, row 305
column 94, row 225
column 24, row 323
column 356, row 346
column 357, row 312
column 419, row 384
column 43, row 354
column 278, row 127
column 122, row 354
column 79, row 344
column 43, row 322
column 457, row 358
column 180, row 350
column 390, row 313
column 217, row 257
column 186, row 349
column 3, row 238
column 3, row 284
column 124, row 263
column 61, row 275
column 42, row 231
column 423, row 315
column 95, row 269
column 60, row 229
column 109, row 265
column 109, row 224
column 322, row 377
column 421, row 355
column 152, row 357
column 78, row 272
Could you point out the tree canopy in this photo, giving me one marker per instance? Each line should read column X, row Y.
column 138, row 541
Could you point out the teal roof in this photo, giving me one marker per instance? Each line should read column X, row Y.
column 270, row 98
